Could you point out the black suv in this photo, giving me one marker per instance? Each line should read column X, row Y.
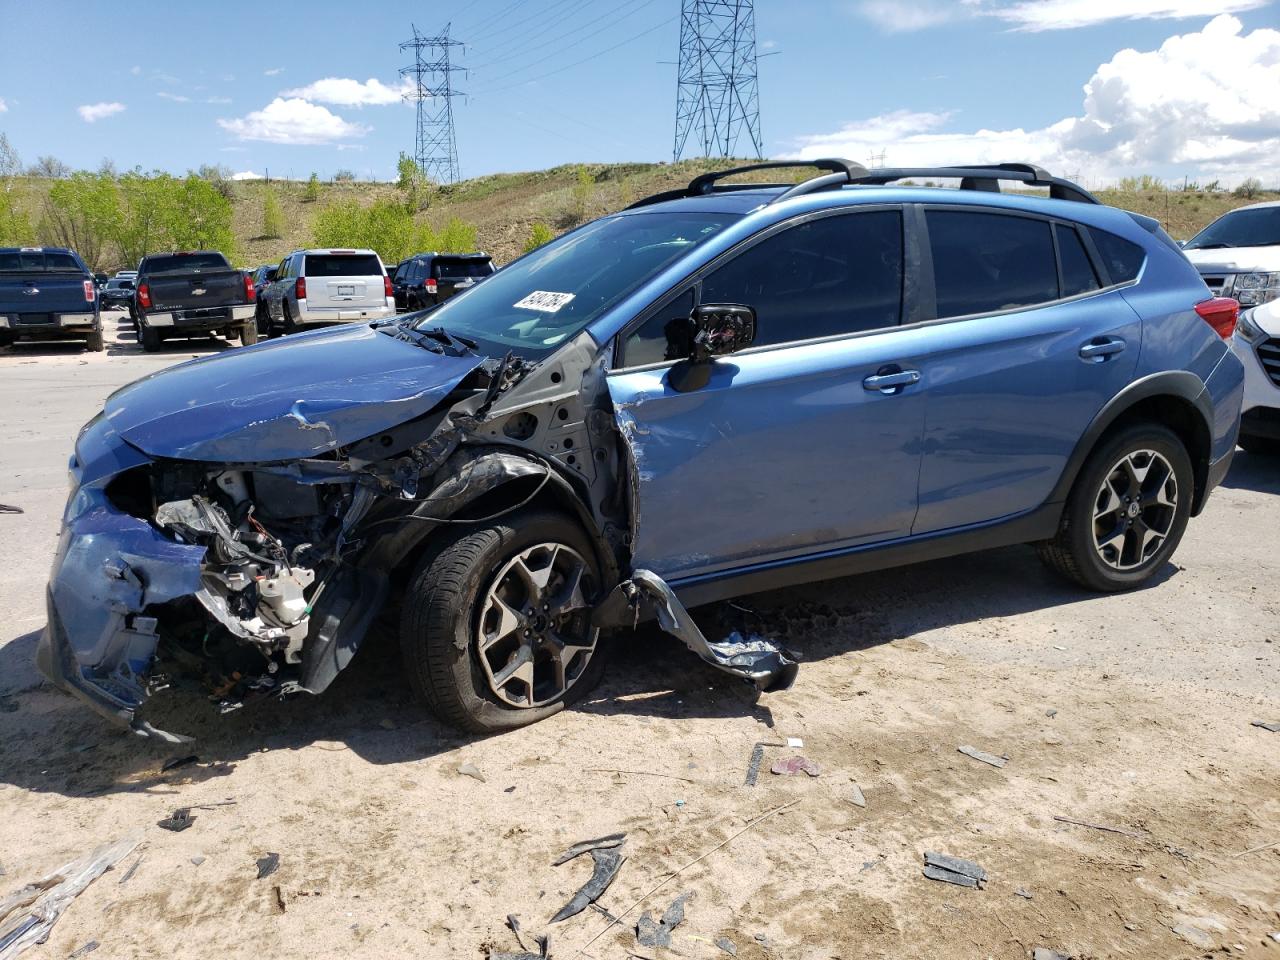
column 426, row 279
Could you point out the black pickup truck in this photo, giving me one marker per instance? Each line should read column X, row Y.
column 47, row 293
column 192, row 294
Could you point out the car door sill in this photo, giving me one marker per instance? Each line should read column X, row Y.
column 1038, row 524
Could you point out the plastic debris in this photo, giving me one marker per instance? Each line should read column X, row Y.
column 856, row 797
column 948, row 869
column 1275, row 936
column 1273, row 726
column 1051, row 712
column 177, row 821
column 651, row 933
column 27, row 916
column 196, row 861
column 728, row 946
column 84, row 951
column 607, row 863
column 268, row 865
column 177, row 762
column 9, row 508
column 1023, row 892
column 793, row 765
column 584, row 846
column 1044, row 953
column 1194, row 936
column 977, row 754
column 472, row 771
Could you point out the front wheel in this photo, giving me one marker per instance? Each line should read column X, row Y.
column 1127, row 511
column 496, row 626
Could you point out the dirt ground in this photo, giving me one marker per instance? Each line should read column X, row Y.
column 1129, row 712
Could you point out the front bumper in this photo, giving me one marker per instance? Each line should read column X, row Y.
column 202, row 320
column 305, row 313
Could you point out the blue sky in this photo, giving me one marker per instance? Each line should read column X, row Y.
column 172, row 86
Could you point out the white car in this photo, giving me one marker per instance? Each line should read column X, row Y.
column 326, row 286
column 1257, row 344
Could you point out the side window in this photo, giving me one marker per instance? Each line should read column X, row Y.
column 662, row 335
column 984, row 262
column 1123, row 259
column 1078, row 275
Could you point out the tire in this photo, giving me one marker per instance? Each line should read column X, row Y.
column 1259, row 446
column 262, row 320
column 150, row 337
column 249, row 334
column 444, row 613
column 1108, row 552
column 95, row 342
column 287, row 326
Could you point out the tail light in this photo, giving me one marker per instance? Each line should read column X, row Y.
column 90, row 292
column 430, row 285
column 300, row 288
column 386, row 286
column 144, row 296
column 250, row 293
column 1221, row 313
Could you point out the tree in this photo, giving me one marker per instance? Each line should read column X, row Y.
column 407, row 173
column 83, row 213
column 50, row 167
column 1248, row 189
column 272, row 215
column 539, row 235
column 584, row 189
column 457, row 236
column 344, row 176
column 312, row 193
column 15, row 227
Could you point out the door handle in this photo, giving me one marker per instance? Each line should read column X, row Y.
column 888, row 383
column 1098, row 350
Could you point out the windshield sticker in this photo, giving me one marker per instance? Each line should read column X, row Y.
column 544, row 301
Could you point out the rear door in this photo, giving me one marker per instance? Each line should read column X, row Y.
column 793, row 447
column 193, row 281
column 1038, row 339
column 344, row 280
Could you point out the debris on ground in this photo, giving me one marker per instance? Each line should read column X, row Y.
column 128, row 874
column 607, row 859
column 7, row 508
column 871, row 864
column 657, row 933
column 196, row 861
column 1022, row 892
column 1275, row 936
column 1273, row 726
column 757, row 757
column 1051, row 712
column 793, row 765
column 985, row 757
column 279, row 895
column 583, row 846
column 604, row 913
column 856, row 797
column 268, row 865
column 177, row 762
column 1101, row 826
column 177, row 821
column 728, row 946
column 28, row 916
column 472, row 771
column 1044, row 953
column 948, row 869
column 84, row 951
column 1194, row 936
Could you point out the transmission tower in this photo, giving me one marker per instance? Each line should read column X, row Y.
column 435, row 148
column 717, row 102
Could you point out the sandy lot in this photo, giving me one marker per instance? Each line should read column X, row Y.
column 1130, row 712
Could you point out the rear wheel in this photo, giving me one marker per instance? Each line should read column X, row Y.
column 249, row 333
column 496, row 626
column 95, row 342
column 1259, row 446
column 1127, row 511
column 150, row 336
column 286, row 319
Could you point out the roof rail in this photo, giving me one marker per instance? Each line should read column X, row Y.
column 984, row 177
column 700, row 186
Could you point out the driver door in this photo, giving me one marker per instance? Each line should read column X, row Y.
column 790, row 449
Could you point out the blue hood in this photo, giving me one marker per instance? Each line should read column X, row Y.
column 297, row 397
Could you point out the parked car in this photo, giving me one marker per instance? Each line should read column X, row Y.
column 117, row 293
column 328, row 287
column 427, row 279
column 1257, row 343
column 126, row 274
column 726, row 388
column 262, row 278
column 1239, row 254
column 192, row 293
column 47, row 293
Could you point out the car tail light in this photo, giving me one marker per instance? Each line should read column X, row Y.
column 144, row 296
column 1220, row 313
column 386, row 286
column 249, row 292
column 89, row 291
column 300, row 288
column 430, row 285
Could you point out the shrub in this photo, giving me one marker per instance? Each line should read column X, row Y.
column 344, row 176
column 1248, row 189
column 539, row 235
column 312, row 192
column 272, row 215
column 50, row 167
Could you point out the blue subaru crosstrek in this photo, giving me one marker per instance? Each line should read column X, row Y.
column 723, row 389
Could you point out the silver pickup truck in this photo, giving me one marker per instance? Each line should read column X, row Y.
column 47, row 293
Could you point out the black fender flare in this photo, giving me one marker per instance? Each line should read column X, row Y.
column 1181, row 385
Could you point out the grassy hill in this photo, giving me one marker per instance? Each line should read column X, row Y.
column 504, row 207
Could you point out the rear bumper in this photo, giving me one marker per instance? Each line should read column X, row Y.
column 306, row 313
column 49, row 325
column 202, row 320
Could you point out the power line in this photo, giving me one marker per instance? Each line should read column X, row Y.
column 435, row 147
column 717, row 98
column 516, row 46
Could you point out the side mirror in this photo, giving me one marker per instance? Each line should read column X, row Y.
column 712, row 330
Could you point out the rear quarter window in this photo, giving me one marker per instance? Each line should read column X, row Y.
column 1122, row 259
column 342, row 265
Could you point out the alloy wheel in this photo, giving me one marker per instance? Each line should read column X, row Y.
column 1134, row 510
column 534, row 636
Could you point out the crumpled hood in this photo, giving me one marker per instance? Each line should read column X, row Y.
column 297, row 397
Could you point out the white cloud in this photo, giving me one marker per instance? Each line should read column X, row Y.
column 92, row 112
column 351, row 93
column 217, row 99
column 1206, row 104
column 1036, row 15
column 246, row 175
column 293, row 121
column 135, row 70
column 3, row 106
column 273, row 72
column 769, row 45
column 175, row 97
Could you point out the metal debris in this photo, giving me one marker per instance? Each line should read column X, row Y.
column 948, row 869
column 279, row 895
column 583, row 846
column 1101, row 826
column 128, row 874
column 8, row 508
column 177, row 821
column 607, row 863
column 793, row 765
column 1022, row 892
column 472, row 771
column 268, row 865
column 84, row 951
column 177, row 762
column 1044, row 953
column 1051, row 712
column 977, row 754
column 651, row 933
column 856, row 797
column 728, row 946
column 1272, row 726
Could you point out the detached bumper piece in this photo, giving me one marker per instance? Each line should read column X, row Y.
column 646, row 595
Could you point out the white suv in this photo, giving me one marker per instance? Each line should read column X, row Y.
column 328, row 286
column 1257, row 343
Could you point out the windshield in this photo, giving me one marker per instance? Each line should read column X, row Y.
column 1259, row 227
column 536, row 303
column 36, row 261
column 184, row 263
column 119, row 284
